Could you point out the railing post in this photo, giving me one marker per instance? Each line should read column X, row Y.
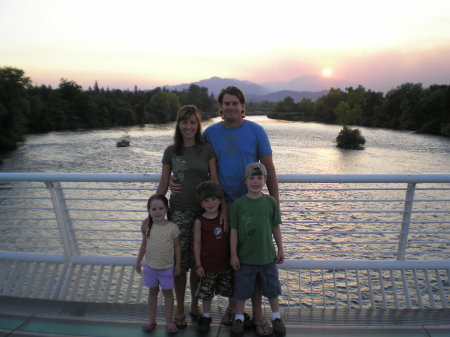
column 63, row 219
column 403, row 240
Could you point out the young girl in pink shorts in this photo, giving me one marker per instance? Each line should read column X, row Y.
column 159, row 245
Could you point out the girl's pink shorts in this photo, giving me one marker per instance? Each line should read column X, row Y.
column 158, row 277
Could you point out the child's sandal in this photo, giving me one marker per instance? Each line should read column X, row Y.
column 195, row 317
column 228, row 317
column 180, row 323
column 263, row 328
column 248, row 322
column 147, row 327
column 171, row 328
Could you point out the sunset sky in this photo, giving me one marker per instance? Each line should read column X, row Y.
column 379, row 44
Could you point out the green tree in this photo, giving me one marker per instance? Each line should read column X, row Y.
column 434, row 115
column 372, row 109
column 347, row 115
column 410, row 106
column 126, row 116
column 198, row 96
column 163, row 107
column 14, row 106
column 306, row 108
column 326, row 105
column 286, row 105
column 69, row 89
column 401, row 107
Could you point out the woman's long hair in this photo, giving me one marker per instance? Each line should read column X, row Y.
column 149, row 202
column 184, row 113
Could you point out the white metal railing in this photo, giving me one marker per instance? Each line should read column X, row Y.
column 354, row 241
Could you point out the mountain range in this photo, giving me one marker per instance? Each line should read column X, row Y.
column 306, row 86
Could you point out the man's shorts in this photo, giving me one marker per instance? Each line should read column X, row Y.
column 215, row 284
column 153, row 278
column 185, row 222
column 245, row 279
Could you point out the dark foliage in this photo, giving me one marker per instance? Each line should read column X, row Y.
column 30, row 109
column 407, row 107
column 25, row 108
column 350, row 139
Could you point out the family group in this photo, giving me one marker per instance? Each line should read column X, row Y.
column 218, row 224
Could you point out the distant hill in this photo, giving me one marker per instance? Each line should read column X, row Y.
column 306, row 86
column 309, row 83
column 216, row 84
column 297, row 96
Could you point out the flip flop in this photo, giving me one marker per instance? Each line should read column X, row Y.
column 180, row 323
column 147, row 327
column 228, row 317
column 248, row 322
column 171, row 328
column 194, row 317
column 263, row 328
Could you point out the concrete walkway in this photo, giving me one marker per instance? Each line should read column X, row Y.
column 26, row 317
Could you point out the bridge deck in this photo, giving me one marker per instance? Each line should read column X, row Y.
column 27, row 317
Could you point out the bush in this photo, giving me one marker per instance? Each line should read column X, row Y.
column 350, row 139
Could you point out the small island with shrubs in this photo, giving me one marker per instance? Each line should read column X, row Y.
column 349, row 138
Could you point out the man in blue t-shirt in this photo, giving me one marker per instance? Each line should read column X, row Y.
column 238, row 142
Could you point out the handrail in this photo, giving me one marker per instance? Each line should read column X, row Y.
column 384, row 236
column 364, row 178
column 79, row 177
column 282, row 178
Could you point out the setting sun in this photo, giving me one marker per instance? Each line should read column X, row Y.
column 327, row 72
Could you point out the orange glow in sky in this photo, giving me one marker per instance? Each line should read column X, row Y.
column 155, row 43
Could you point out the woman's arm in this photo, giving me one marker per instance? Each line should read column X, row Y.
column 163, row 185
column 177, row 246
column 161, row 189
column 212, row 166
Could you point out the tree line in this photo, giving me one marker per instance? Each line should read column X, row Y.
column 410, row 106
column 25, row 108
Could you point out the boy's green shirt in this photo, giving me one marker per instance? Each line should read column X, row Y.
column 254, row 219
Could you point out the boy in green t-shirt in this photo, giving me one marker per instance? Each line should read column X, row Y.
column 254, row 219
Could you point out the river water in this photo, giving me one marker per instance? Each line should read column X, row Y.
column 298, row 148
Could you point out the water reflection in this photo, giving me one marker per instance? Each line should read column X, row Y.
column 298, row 148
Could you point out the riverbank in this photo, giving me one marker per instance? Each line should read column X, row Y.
column 299, row 117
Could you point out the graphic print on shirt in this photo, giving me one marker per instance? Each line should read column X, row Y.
column 245, row 226
column 231, row 145
column 217, row 232
column 179, row 167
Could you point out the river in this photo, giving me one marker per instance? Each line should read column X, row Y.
column 298, row 148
